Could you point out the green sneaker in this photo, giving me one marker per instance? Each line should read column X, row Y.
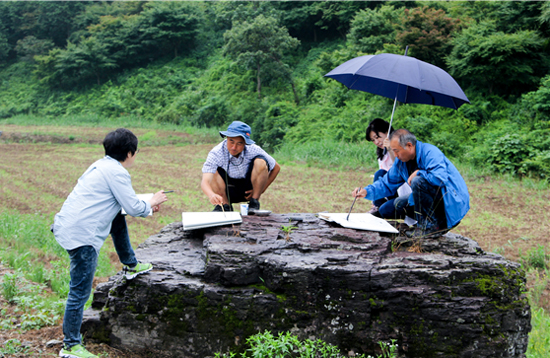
column 131, row 272
column 77, row 351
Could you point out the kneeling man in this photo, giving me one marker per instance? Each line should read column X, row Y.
column 237, row 170
column 439, row 194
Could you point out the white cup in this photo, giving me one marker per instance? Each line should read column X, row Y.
column 244, row 209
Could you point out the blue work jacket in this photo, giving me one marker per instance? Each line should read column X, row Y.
column 434, row 166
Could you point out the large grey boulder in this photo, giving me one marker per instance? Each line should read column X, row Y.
column 213, row 288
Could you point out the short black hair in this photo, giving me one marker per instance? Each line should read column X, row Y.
column 119, row 143
column 378, row 125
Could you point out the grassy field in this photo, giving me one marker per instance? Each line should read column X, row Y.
column 39, row 166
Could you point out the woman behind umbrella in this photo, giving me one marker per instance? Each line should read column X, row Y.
column 392, row 207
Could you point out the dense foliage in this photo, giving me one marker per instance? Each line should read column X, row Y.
column 209, row 63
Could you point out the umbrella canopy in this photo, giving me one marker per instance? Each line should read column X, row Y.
column 404, row 78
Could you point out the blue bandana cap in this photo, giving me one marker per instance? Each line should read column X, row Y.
column 238, row 129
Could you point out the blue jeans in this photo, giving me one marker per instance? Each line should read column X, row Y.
column 392, row 207
column 82, row 269
column 396, row 208
column 429, row 207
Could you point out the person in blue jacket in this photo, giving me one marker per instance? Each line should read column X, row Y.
column 439, row 193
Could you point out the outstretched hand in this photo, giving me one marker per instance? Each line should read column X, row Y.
column 158, row 199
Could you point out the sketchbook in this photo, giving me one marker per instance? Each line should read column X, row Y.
column 199, row 220
column 144, row 197
column 359, row 221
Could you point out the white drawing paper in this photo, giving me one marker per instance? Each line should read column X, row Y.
column 199, row 220
column 359, row 221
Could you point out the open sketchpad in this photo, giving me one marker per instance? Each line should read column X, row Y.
column 359, row 221
column 199, row 220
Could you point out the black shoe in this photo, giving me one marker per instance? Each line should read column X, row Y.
column 226, row 207
column 253, row 205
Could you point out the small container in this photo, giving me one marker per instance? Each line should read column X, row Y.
column 244, row 209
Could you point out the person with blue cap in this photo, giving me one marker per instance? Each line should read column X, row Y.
column 237, row 170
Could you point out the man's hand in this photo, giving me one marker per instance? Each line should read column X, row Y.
column 412, row 176
column 156, row 208
column 359, row 193
column 248, row 194
column 215, row 199
column 158, row 199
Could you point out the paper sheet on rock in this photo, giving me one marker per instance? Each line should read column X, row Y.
column 359, row 221
column 199, row 220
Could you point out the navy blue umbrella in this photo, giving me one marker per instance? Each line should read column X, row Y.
column 403, row 78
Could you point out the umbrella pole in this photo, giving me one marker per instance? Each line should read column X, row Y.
column 392, row 112
column 395, row 101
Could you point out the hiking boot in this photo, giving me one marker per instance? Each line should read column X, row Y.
column 253, row 205
column 77, row 351
column 131, row 272
column 226, row 207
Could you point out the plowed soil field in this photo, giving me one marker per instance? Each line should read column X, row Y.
column 39, row 166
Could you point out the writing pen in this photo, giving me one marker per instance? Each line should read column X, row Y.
column 168, row 191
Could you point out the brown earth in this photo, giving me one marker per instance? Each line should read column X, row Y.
column 506, row 216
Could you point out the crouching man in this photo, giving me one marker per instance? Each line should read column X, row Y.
column 237, row 170
column 439, row 196
column 92, row 212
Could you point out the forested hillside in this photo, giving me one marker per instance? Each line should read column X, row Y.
column 209, row 63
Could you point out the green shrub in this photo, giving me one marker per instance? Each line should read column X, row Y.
column 508, row 153
column 536, row 258
column 286, row 345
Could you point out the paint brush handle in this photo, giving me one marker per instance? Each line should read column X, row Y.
column 347, row 219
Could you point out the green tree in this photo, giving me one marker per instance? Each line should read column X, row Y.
column 535, row 105
column 170, row 26
column 30, row 46
column 490, row 60
column 260, row 46
column 76, row 65
column 4, row 47
column 428, row 33
column 371, row 29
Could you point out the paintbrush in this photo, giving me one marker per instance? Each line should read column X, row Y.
column 223, row 211
column 347, row 219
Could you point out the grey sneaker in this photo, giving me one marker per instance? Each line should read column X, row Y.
column 131, row 272
column 77, row 351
